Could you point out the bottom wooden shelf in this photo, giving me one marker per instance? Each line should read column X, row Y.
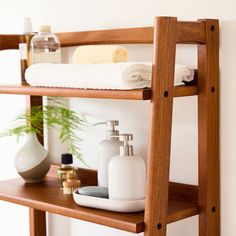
column 46, row 196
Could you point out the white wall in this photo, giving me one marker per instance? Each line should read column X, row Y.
column 75, row 15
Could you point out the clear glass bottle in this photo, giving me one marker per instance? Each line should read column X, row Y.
column 45, row 47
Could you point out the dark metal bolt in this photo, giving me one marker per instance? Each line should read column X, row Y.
column 159, row 225
column 166, row 94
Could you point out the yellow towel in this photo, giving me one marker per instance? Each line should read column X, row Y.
column 100, row 54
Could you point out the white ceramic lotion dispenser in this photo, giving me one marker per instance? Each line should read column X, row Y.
column 126, row 173
column 107, row 149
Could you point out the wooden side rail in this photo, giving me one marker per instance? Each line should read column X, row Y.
column 10, row 41
column 183, row 192
column 187, row 32
column 208, row 132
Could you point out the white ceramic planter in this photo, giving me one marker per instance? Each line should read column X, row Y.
column 31, row 161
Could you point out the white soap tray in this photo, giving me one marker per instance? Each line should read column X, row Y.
column 108, row 204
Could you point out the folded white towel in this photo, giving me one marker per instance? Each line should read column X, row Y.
column 124, row 76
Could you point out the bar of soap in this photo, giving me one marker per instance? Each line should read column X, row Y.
column 94, row 191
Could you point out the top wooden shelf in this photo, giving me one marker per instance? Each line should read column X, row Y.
column 137, row 94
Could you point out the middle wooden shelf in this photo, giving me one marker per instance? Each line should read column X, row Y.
column 136, row 94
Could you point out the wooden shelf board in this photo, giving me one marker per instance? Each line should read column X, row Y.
column 46, row 196
column 137, row 94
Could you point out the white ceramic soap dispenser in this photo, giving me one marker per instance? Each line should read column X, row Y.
column 126, row 173
column 107, row 149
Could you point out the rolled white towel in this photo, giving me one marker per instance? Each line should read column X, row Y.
column 124, row 76
column 100, row 54
column 183, row 74
column 139, row 75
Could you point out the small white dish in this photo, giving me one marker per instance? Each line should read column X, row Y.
column 108, row 204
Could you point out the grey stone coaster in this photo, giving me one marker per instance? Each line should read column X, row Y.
column 94, row 191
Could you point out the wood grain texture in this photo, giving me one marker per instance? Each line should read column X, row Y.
column 37, row 222
column 10, row 41
column 208, row 131
column 46, row 196
column 190, row 32
column 187, row 32
column 138, row 94
column 160, row 126
column 184, row 192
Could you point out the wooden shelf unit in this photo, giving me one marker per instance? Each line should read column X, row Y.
column 165, row 202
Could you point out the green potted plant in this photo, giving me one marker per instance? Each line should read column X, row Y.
column 32, row 159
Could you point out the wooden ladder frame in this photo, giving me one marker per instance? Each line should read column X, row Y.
column 161, row 122
column 167, row 33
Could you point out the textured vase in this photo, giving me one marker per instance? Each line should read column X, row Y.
column 31, row 161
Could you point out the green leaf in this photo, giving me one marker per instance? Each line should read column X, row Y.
column 55, row 116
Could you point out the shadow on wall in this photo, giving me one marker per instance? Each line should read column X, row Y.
column 228, row 125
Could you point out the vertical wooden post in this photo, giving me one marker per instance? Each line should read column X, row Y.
column 32, row 101
column 37, row 222
column 158, row 162
column 208, row 131
column 37, row 218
